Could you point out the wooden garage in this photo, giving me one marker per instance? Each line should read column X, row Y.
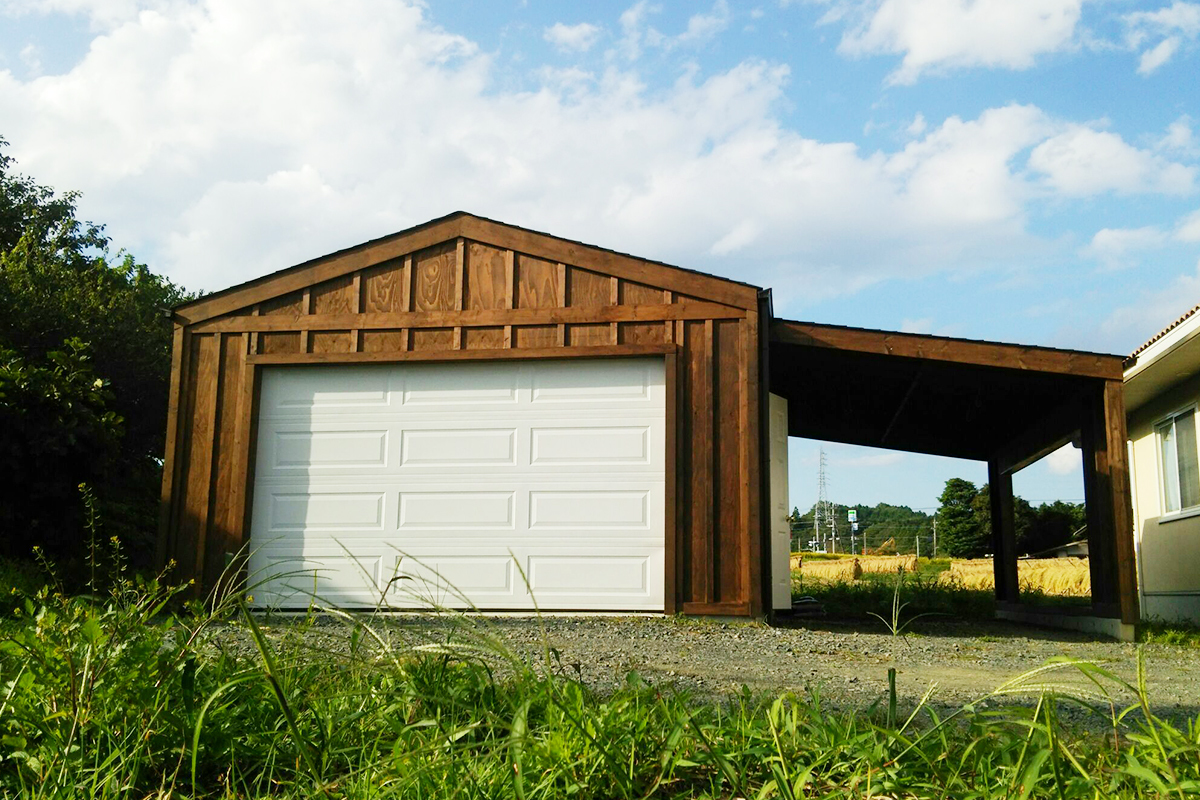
column 466, row 395
column 468, row 413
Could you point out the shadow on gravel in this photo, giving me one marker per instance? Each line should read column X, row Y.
column 941, row 627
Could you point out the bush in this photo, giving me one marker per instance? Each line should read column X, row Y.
column 18, row 579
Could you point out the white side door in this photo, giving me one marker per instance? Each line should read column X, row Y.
column 781, row 532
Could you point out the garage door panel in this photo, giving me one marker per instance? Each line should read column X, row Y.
column 294, row 393
column 459, row 447
column 564, row 383
column 464, row 476
column 596, row 444
column 324, row 511
column 605, row 508
column 290, row 579
column 462, row 509
column 434, row 385
column 551, row 576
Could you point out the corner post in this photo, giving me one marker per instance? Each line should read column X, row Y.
column 1004, row 536
column 1109, row 507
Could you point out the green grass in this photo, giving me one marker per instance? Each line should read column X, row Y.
column 123, row 697
column 1173, row 633
column 873, row 594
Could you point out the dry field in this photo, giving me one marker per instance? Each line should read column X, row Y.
column 1065, row 577
column 849, row 568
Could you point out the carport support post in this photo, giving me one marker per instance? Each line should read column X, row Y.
column 1004, row 535
column 1109, row 507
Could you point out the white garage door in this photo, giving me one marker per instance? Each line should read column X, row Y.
column 419, row 484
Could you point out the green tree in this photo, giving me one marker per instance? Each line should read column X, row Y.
column 56, row 431
column 959, row 531
column 59, row 282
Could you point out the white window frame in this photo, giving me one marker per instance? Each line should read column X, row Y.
column 1181, row 512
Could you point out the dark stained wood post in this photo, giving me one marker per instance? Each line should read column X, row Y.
column 1109, row 506
column 1004, row 534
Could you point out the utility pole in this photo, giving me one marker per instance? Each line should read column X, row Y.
column 935, row 536
column 824, row 518
column 918, row 540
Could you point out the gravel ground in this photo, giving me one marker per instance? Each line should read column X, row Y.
column 847, row 662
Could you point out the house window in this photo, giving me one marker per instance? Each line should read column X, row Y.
column 1180, row 462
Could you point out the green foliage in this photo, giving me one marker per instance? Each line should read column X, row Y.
column 18, row 579
column 59, row 285
column 959, row 532
column 113, row 696
column 56, row 430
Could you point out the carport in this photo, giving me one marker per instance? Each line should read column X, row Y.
column 1007, row 405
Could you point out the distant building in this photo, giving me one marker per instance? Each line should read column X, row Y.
column 1162, row 394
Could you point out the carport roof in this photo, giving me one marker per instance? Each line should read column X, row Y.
column 927, row 394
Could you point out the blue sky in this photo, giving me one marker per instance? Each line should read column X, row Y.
column 1000, row 169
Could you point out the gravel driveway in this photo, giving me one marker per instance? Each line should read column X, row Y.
column 847, row 662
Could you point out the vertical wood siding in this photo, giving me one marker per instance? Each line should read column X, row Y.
column 715, row 560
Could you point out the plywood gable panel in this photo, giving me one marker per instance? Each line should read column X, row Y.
column 539, row 284
column 464, row 226
column 281, row 342
column 586, row 289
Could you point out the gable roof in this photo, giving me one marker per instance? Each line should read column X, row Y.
column 481, row 229
column 1163, row 332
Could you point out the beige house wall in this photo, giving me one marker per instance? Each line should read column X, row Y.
column 1168, row 545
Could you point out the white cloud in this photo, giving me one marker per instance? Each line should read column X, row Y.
column 923, row 325
column 1084, row 161
column 1152, row 310
column 31, row 58
column 1115, row 246
column 917, row 126
column 875, row 460
column 702, row 28
column 1170, row 26
column 222, row 140
column 1065, row 460
column 1158, row 55
column 572, row 38
column 941, row 35
column 1179, row 137
column 1188, row 229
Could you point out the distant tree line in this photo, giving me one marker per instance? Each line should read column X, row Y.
column 964, row 525
column 965, row 521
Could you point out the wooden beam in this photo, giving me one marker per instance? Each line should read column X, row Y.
column 510, row 291
column 903, row 404
column 170, row 453
column 615, row 299
column 356, row 288
column 1108, row 504
column 594, row 351
column 460, row 286
column 671, row 556
column 305, row 310
column 471, row 318
column 1055, row 428
column 938, row 348
column 561, row 269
